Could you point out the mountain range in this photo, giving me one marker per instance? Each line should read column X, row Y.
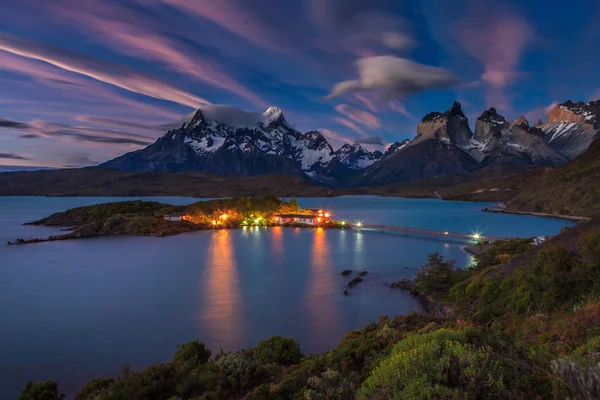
column 226, row 141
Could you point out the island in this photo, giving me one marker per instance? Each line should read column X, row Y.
column 149, row 218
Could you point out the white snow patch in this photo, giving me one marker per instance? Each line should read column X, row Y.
column 202, row 144
column 311, row 157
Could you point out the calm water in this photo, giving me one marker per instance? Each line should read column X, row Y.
column 75, row 310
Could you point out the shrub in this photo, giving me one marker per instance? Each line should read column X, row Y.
column 435, row 277
column 435, row 365
column 241, row 370
column 41, row 391
column 94, row 389
column 191, row 354
column 278, row 350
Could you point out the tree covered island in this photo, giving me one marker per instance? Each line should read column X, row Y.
column 149, row 218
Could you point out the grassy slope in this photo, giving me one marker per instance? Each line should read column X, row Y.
column 106, row 182
column 572, row 189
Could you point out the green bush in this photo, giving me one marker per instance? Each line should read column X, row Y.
column 435, row 365
column 437, row 276
column 278, row 350
column 191, row 354
column 41, row 391
column 94, row 389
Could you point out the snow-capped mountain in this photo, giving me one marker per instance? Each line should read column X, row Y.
column 436, row 150
column 497, row 141
column 226, row 140
column 356, row 157
column 229, row 141
column 571, row 127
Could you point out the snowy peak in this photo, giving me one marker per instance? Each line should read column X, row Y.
column 273, row 115
column 580, row 112
column 396, row 146
column 356, row 157
column 571, row 127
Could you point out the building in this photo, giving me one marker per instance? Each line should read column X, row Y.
column 317, row 217
column 306, row 219
column 174, row 217
column 538, row 240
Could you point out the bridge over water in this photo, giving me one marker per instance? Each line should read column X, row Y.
column 427, row 232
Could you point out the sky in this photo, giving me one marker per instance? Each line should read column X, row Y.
column 82, row 82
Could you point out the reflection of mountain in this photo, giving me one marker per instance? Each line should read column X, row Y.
column 322, row 311
column 222, row 303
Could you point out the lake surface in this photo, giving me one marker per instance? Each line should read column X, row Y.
column 75, row 310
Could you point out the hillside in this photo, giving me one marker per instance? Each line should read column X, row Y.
column 571, row 189
column 108, row 182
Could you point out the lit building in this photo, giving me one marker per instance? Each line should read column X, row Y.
column 175, row 217
column 317, row 217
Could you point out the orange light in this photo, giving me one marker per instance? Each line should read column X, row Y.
column 276, row 218
column 318, row 219
column 224, row 216
column 327, row 215
column 214, row 222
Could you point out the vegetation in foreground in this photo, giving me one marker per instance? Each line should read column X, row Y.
column 523, row 323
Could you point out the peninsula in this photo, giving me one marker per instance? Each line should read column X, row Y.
column 148, row 218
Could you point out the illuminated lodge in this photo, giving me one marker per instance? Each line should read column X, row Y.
column 315, row 217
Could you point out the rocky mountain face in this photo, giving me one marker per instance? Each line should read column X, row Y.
column 451, row 127
column 356, row 157
column 571, row 127
column 232, row 142
column 225, row 141
column 438, row 149
column 497, row 141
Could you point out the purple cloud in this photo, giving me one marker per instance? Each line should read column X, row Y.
column 133, row 34
column 111, row 73
column 359, row 116
column 497, row 40
column 349, row 124
column 12, row 156
column 7, row 123
column 394, row 77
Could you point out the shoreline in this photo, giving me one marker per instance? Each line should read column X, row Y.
column 573, row 218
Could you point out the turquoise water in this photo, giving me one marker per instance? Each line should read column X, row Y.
column 75, row 310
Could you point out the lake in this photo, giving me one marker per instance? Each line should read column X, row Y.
column 75, row 310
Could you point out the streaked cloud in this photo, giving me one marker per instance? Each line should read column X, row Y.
column 6, row 123
column 335, row 138
column 131, row 33
column 104, row 71
column 12, row 156
column 398, row 107
column 357, row 115
column 349, row 124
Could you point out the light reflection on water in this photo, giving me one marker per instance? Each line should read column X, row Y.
column 75, row 310
column 322, row 312
column 222, row 302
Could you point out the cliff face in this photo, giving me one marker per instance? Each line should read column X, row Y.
column 488, row 125
column 497, row 141
column 571, row 127
column 450, row 127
